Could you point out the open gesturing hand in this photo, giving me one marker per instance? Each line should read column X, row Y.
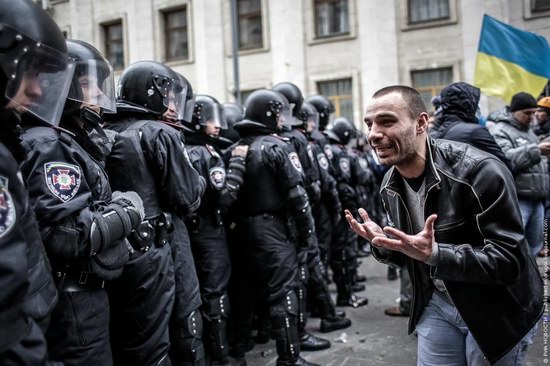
column 368, row 229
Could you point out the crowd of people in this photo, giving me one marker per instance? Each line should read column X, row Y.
column 150, row 225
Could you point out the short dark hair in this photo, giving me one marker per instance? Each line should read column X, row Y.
column 414, row 101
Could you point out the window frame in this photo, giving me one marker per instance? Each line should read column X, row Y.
column 431, row 20
column 253, row 14
column 316, row 21
column 166, row 31
column 433, row 89
column 106, row 41
column 534, row 9
column 336, row 99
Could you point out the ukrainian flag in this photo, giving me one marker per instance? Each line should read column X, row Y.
column 510, row 60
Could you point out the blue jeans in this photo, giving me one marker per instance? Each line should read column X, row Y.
column 444, row 339
column 532, row 215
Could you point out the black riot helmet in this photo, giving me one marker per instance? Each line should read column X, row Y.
column 35, row 71
column 342, row 130
column 308, row 117
column 294, row 96
column 266, row 109
column 152, row 87
column 234, row 113
column 93, row 84
column 325, row 108
column 207, row 111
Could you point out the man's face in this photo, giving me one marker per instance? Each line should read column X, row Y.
column 525, row 116
column 29, row 90
column 91, row 92
column 541, row 115
column 212, row 129
column 310, row 125
column 392, row 131
column 171, row 115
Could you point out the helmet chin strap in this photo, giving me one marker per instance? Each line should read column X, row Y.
column 92, row 120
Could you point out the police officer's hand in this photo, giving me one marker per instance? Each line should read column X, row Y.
column 368, row 229
column 240, row 150
column 129, row 198
column 417, row 246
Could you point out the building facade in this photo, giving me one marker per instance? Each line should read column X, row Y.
column 344, row 49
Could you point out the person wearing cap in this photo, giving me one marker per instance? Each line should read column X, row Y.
column 542, row 118
column 520, row 144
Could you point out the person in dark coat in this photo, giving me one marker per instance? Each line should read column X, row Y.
column 458, row 121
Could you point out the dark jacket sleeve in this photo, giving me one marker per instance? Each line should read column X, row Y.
column 179, row 182
column 483, row 140
column 64, row 221
column 501, row 259
column 14, row 269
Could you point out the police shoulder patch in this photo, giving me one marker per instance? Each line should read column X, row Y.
column 62, row 179
column 323, row 161
column 7, row 208
column 217, row 177
column 363, row 163
column 295, row 161
column 344, row 165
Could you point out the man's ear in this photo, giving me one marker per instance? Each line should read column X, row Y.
column 422, row 123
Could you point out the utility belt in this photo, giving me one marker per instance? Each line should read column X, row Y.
column 193, row 221
column 152, row 232
column 72, row 280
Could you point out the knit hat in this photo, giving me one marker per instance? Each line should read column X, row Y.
column 544, row 102
column 522, row 101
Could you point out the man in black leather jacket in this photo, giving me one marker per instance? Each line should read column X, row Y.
column 468, row 262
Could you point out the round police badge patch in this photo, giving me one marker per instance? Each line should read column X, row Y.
column 62, row 179
column 323, row 161
column 344, row 165
column 217, row 177
column 328, row 151
column 363, row 163
column 295, row 160
column 7, row 208
column 310, row 154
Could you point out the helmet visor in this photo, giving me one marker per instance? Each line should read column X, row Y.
column 284, row 117
column 40, row 82
column 214, row 115
column 94, row 84
column 174, row 93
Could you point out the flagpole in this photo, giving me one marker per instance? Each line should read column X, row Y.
column 235, row 50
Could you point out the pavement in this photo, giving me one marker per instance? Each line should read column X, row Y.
column 377, row 339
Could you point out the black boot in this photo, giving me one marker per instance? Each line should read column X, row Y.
column 335, row 323
column 309, row 342
column 358, row 287
column 353, row 301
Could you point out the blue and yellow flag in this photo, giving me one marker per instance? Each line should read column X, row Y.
column 510, row 60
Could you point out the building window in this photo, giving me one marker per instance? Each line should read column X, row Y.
column 176, row 37
column 340, row 94
column 540, row 5
column 250, row 24
column 331, row 17
column 428, row 10
column 114, row 44
column 430, row 82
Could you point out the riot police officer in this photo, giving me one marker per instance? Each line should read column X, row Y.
column 28, row 293
column 83, row 224
column 149, row 156
column 315, row 282
column 343, row 245
column 206, row 225
column 272, row 187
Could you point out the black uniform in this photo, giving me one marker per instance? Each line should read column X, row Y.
column 342, row 257
column 273, row 185
column 208, row 238
column 23, row 264
column 149, row 157
column 68, row 187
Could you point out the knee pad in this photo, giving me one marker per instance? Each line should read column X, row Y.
column 216, row 308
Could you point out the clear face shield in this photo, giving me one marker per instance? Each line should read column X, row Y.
column 284, row 116
column 94, row 86
column 174, row 93
column 312, row 122
column 40, row 80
